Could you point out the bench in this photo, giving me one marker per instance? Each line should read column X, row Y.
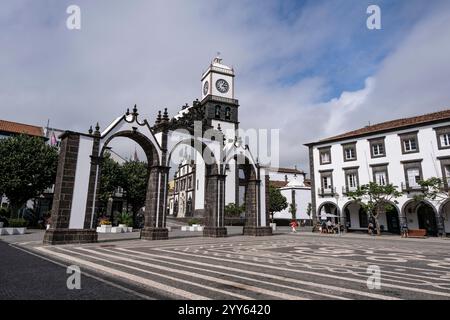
column 417, row 233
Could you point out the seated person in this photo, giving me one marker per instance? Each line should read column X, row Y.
column 329, row 226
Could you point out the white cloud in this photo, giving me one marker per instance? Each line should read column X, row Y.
column 153, row 53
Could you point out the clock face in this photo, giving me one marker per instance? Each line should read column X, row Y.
column 205, row 88
column 222, row 86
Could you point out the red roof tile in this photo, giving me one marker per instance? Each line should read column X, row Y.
column 285, row 170
column 278, row 184
column 15, row 127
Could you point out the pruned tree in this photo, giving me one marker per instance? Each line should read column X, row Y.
column 309, row 209
column 293, row 210
column 376, row 199
column 110, row 178
column 134, row 180
column 232, row 210
column 277, row 202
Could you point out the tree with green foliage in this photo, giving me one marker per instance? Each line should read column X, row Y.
column 432, row 189
column 309, row 209
column 277, row 202
column 134, row 179
column 232, row 210
column 28, row 167
column 375, row 199
column 110, row 179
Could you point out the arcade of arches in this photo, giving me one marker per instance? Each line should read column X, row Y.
column 416, row 215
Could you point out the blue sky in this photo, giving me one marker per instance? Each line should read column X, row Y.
column 309, row 68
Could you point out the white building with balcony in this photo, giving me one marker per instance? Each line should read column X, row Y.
column 401, row 152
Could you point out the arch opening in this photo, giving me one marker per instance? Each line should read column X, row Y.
column 421, row 215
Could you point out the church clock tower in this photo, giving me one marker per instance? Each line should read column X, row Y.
column 218, row 99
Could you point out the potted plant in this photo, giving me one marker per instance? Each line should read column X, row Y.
column 16, row 226
column 105, row 225
column 125, row 221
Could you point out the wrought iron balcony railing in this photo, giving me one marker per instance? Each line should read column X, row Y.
column 406, row 187
column 326, row 192
column 347, row 189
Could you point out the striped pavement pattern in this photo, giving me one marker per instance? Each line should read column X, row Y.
column 285, row 267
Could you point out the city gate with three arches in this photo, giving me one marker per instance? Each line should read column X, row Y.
column 75, row 199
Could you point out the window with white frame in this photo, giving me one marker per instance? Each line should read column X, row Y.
column 326, row 182
column 325, row 155
column 380, row 178
column 349, row 152
column 380, row 174
column 445, row 167
column 410, row 145
column 409, row 142
column 326, row 179
column 377, row 148
column 352, row 181
column 447, row 174
column 413, row 175
column 445, row 139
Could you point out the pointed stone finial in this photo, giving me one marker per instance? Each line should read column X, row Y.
column 135, row 110
column 128, row 112
column 97, row 129
column 90, row 130
column 165, row 115
column 159, row 117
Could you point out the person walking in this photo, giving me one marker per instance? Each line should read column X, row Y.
column 294, row 225
column 405, row 232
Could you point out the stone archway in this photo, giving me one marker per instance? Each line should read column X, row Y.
column 255, row 216
column 76, row 187
column 355, row 216
column 329, row 211
column 154, row 224
column 422, row 215
column 214, row 185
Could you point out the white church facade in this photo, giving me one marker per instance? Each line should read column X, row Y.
column 187, row 189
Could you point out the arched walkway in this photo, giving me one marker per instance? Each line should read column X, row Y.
column 329, row 211
column 421, row 215
column 355, row 216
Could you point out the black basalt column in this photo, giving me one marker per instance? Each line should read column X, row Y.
column 253, row 211
column 155, row 223
column 59, row 232
column 215, row 206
